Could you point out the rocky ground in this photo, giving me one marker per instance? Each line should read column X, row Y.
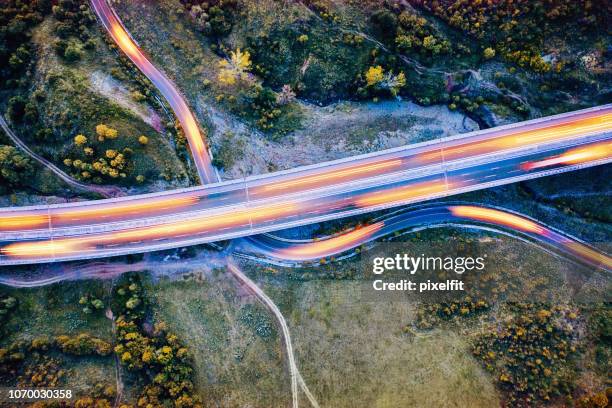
column 336, row 131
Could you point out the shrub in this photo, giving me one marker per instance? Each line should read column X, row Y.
column 80, row 140
column 73, row 53
column 15, row 168
column 16, row 108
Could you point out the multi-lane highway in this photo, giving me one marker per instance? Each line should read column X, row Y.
column 120, row 36
column 428, row 217
column 308, row 194
column 296, row 197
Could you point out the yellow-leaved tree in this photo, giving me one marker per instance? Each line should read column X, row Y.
column 104, row 131
column 378, row 79
column 374, row 75
column 80, row 140
column 235, row 68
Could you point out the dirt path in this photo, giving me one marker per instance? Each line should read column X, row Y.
column 296, row 377
column 118, row 380
column 105, row 191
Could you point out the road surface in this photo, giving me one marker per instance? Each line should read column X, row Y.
column 307, row 194
column 435, row 215
column 121, row 37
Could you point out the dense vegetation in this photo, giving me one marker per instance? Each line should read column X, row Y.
column 214, row 18
column 521, row 30
column 512, row 59
column 530, row 354
column 40, row 362
column 73, row 19
column 15, row 169
column 50, row 101
column 157, row 365
column 16, row 20
column 247, row 97
column 156, row 355
column 88, row 158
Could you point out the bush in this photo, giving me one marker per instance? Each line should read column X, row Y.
column 73, row 53
column 213, row 18
column 16, row 108
column 15, row 168
column 83, row 344
column 159, row 357
column 530, row 354
column 385, row 24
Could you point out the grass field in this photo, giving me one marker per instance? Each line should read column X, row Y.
column 351, row 353
column 237, row 365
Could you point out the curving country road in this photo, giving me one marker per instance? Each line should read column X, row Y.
column 121, row 37
column 433, row 216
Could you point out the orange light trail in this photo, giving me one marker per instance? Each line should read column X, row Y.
column 8, row 223
column 521, row 139
column 334, row 176
column 46, row 248
column 321, row 249
column 190, row 127
column 403, row 193
column 590, row 254
column 24, row 221
column 113, row 210
column 593, row 152
column 124, row 41
column 497, row 217
column 68, row 246
column 178, row 104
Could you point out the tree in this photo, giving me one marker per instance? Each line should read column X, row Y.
column 104, row 132
column 377, row 79
column 80, row 140
column 138, row 96
column 235, row 68
column 14, row 167
column 97, row 304
column 374, row 75
column 9, row 302
column 16, row 108
column 132, row 303
column 73, row 53
column 488, row 53
column 143, row 140
column 385, row 23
